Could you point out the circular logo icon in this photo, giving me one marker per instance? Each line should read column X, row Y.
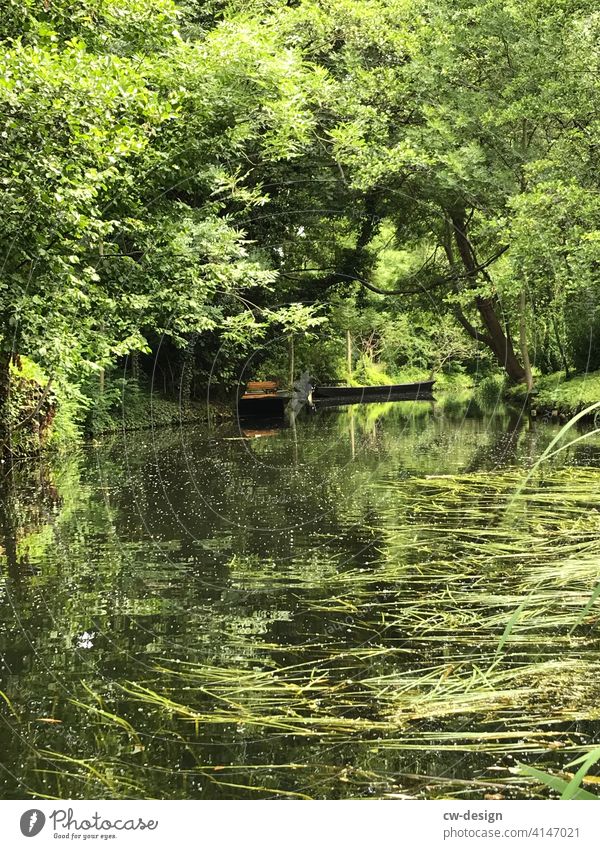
column 32, row 822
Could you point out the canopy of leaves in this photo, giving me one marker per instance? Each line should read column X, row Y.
column 186, row 170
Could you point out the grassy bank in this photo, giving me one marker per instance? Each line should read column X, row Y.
column 555, row 395
column 53, row 414
column 374, row 374
column 137, row 408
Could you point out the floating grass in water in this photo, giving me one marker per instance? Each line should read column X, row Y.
column 469, row 642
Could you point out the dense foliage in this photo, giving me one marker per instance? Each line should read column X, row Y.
column 199, row 182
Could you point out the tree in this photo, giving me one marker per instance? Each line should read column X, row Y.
column 123, row 182
column 439, row 119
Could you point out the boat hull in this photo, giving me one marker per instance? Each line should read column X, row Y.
column 263, row 406
column 358, row 394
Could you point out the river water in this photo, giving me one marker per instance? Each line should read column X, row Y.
column 378, row 602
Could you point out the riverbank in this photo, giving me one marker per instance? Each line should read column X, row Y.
column 47, row 415
column 143, row 410
column 130, row 408
column 127, row 407
column 555, row 396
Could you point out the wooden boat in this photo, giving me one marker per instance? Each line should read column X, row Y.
column 263, row 399
column 260, row 433
column 357, row 394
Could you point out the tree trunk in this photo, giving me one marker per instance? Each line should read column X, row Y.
column 561, row 348
column 496, row 338
column 185, row 388
column 5, row 438
column 292, row 360
column 523, row 341
column 498, row 341
column 135, row 366
column 187, row 371
column 349, row 353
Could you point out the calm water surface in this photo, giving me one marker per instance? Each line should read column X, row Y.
column 223, row 614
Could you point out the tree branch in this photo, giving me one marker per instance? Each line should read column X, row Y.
column 40, row 403
column 464, row 322
column 417, row 290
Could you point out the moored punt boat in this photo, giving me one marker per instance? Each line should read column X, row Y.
column 392, row 392
column 263, row 399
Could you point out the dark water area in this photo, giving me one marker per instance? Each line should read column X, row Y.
column 316, row 611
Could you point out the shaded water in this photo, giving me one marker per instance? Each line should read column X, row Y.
column 375, row 603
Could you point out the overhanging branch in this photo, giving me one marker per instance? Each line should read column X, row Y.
column 470, row 329
column 445, row 280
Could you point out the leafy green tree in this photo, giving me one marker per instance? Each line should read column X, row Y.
column 441, row 120
column 123, row 181
column 184, row 170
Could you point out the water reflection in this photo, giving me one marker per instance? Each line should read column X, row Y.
column 335, row 549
